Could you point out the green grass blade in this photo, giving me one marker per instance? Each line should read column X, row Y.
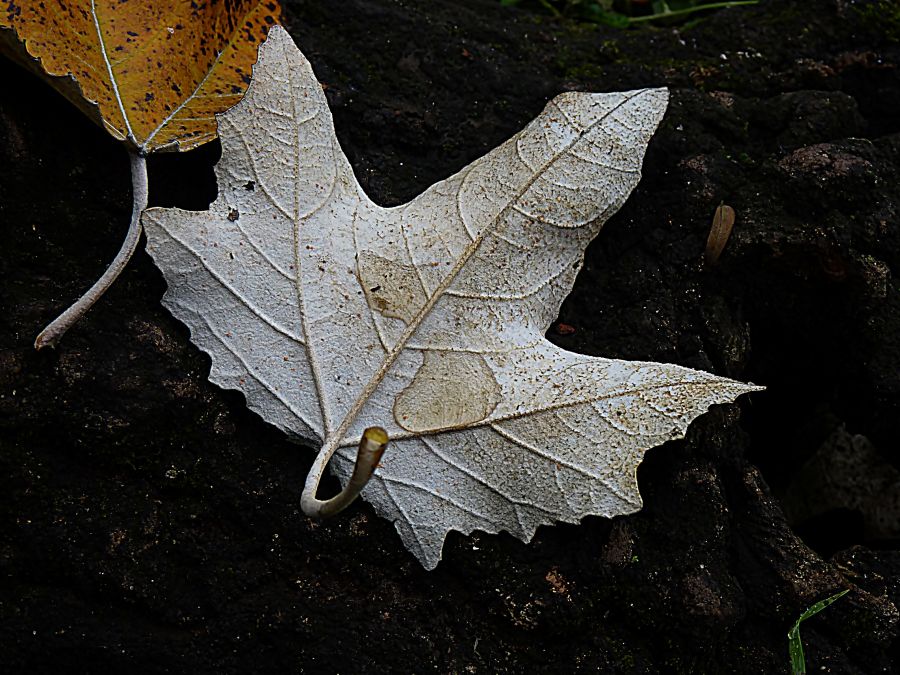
column 795, row 644
column 690, row 10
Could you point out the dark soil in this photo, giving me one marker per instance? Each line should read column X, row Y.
column 150, row 523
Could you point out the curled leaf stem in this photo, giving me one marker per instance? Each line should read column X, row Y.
column 371, row 447
column 51, row 335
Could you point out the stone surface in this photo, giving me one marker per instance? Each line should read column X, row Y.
column 150, row 523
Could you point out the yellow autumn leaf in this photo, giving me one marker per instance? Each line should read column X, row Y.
column 153, row 72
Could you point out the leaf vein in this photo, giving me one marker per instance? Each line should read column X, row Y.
column 298, row 285
column 250, row 371
column 109, row 70
column 550, row 457
column 412, row 484
column 474, row 476
column 225, row 284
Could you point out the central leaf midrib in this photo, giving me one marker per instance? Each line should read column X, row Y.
column 313, row 363
column 112, row 76
column 334, row 440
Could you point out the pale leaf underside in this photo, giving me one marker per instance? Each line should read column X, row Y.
column 331, row 313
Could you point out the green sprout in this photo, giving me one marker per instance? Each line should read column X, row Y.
column 604, row 11
column 795, row 644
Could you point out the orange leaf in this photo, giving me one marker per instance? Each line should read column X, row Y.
column 153, row 72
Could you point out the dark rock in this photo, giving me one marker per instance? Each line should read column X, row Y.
column 150, row 523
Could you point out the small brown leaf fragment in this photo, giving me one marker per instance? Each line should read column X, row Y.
column 153, row 73
column 723, row 222
column 564, row 329
column 557, row 583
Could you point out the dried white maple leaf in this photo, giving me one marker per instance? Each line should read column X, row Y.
column 331, row 313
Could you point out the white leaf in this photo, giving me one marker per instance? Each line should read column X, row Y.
column 331, row 313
